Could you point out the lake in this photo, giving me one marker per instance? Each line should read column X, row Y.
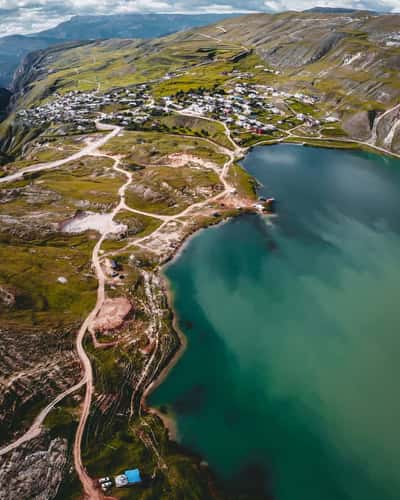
column 289, row 383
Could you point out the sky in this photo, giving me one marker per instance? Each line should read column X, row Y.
column 28, row 16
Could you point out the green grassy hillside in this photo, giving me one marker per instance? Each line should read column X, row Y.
column 350, row 62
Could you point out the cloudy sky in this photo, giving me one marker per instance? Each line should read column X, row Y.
column 27, row 16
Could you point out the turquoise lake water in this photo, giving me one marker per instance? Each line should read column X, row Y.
column 290, row 382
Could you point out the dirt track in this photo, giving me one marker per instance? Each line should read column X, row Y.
column 90, row 489
column 87, row 150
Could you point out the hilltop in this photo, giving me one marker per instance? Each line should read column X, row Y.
column 14, row 48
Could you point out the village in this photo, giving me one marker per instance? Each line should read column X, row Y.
column 256, row 108
column 82, row 108
column 241, row 105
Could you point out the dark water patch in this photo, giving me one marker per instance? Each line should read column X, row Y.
column 251, row 481
column 290, row 374
column 192, row 401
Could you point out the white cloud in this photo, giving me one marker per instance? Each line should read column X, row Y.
column 378, row 5
column 27, row 16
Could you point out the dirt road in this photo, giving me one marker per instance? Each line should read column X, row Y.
column 36, row 427
column 87, row 150
column 90, row 489
column 88, row 485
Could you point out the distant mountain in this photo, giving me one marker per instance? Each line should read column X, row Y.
column 334, row 10
column 13, row 48
column 127, row 26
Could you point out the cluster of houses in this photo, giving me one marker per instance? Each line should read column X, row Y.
column 77, row 107
column 241, row 105
column 129, row 117
column 236, row 107
column 249, row 107
column 82, row 108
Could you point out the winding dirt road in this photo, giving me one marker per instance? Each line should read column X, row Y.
column 36, row 427
column 88, row 484
column 89, row 488
column 86, row 151
column 92, row 149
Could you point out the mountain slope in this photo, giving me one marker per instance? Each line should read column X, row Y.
column 349, row 63
column 13, row 48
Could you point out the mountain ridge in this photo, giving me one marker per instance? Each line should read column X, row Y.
column 14, row 47
column 337, row 10
column 350, row 62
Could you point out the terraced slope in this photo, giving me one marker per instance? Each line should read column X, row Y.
column 352, row 61
column 337, row 55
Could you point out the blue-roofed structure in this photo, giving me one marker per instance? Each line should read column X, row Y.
column 133, row 476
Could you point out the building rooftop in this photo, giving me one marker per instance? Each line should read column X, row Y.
column 133, row 476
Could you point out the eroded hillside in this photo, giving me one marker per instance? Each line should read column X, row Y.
column 350, row 60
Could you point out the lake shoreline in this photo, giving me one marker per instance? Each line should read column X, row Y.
column 327, row 143
column 168, row 421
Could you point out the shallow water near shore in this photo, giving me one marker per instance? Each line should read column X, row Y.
column 289, row 383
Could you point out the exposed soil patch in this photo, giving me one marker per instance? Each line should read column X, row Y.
column 182, row 159
column 103, row 223
column 112, row 314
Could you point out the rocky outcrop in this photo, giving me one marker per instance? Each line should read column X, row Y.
column 7, row 296
column 357, row 125
column 378, row 129
column 34, row 470
column 396, row 141
column 35, row 367
column 386, row 130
